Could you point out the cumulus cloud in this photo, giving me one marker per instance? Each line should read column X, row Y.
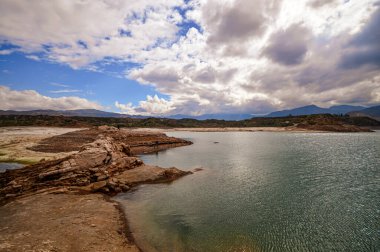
column 30, row 99
column 79, row 33
column 364, row 47
column 289, row 46
column 325, row 52
column 153, row 105
column 230, row 25
column 321, row 3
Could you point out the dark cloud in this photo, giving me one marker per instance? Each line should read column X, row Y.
column 206, row 75
column 235, row 23
column 364, row 47
column 231, row 26
column 320, row 3
column 288, row 47
column 359, row 58
column 166, row 77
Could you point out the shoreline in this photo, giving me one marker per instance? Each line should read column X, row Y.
column 37, row 187
column 251, row 129
column 142, row 141
column 125, row 226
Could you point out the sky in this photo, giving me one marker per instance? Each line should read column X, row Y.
column 161, row 57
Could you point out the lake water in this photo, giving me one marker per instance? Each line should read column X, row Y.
column 263, row 192
column 9, row 166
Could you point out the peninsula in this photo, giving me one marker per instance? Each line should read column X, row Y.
column 64, row 203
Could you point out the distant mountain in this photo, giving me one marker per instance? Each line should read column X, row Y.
column 373, row 112
column 313, row 109
column 344, row 109
column 226, row 117
column 77, row 112
column 306, row 110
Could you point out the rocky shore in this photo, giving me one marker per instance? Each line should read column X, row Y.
column 70, row 194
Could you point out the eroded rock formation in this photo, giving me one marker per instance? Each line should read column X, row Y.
column 105, row 165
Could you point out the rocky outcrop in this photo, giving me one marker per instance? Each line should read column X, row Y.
column 105, row 165
column 138, row 141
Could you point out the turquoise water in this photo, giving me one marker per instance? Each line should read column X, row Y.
column 263, row 192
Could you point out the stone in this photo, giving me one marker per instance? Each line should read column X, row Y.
column 98, row 185
column 124, row 188
column 10, row 195
column 102, row 177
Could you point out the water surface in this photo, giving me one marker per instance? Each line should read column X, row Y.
column 9, row 166
column 263, row 192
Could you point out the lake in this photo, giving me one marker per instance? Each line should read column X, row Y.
column 263, row 191
column 9, row 166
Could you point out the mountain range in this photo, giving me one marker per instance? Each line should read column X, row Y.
column 373, row 112
column 313, row 109
column 353, row 111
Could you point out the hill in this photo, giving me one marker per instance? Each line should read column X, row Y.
column 227, row 117
column 373, row 112
column 313, row 109
column 315, row 122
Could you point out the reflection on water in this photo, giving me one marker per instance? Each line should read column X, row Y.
column 263, row 192
column 9, row 166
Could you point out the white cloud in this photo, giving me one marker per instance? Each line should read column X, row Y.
column 65, row 91
column 128, row 108
column 30, row 99
column 151, row 106
column 6, row 51
column 59, row 85
column 33, row 57
column 79, row 33
column 225, row 66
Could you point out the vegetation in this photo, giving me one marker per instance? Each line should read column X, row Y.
column 299, row 121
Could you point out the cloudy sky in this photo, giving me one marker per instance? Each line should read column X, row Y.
column 163, row 57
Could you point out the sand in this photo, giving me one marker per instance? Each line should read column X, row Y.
column 63, row 222
column 15, row 141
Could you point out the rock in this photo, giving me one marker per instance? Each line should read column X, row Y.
column 124, row 188
column 98, row 185
column 102, row 177
column 114, row 180
column 89, row 169
column 107, row 128
column 94, row 170
column 12, row 183
column 10, row 195
column 126, row 149
column 112, row 186
column 17, row 186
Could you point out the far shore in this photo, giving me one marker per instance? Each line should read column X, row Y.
column 232, row 129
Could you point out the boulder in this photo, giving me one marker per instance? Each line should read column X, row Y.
column 98, row 185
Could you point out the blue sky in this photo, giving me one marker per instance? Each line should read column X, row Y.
column 54, row 79
column 158, row 57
